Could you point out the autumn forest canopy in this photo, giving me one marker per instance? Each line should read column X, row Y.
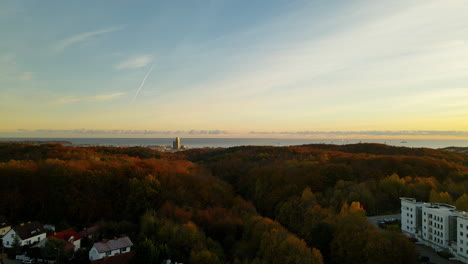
column 300, row 204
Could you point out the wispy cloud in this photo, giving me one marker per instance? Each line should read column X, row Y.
column 142, row 83
column 95, row 98
column 134, row 63
column 82, row 37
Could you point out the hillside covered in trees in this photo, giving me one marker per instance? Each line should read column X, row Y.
column 302, row 204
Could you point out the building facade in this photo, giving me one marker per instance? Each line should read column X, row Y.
column 440, row 226
column 176, row 143
column 462, row 236
column 109, row 248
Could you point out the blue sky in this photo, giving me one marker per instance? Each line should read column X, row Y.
column 232, row 66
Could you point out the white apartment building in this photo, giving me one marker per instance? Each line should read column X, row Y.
column 436, row 224
column 409, row 207
column 440, row 226
column 462, row 237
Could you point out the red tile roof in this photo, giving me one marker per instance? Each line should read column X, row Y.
column 67, row 235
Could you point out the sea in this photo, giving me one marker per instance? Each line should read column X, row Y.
column 232, row 142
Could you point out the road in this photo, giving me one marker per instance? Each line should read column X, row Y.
column 422, row 249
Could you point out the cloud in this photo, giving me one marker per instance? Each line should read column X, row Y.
column 142, row 82
column 371, row 45
column 65, row 43
column 134, row 63
column 95, row 98
column 206, row 132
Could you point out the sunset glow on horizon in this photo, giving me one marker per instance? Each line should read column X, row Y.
column 311, row 69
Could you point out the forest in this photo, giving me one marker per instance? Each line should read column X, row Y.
column 239, row 205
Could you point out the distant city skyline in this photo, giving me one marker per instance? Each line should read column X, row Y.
column 220, row 68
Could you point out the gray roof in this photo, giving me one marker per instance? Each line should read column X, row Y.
column 109, row 245
column 28, row 230
column 3, row 222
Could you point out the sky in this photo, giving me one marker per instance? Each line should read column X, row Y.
column 233, row 68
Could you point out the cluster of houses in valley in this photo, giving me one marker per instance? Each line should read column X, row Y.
column 117, row 250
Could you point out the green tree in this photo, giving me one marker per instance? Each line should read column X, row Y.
column 146, row 252
column 54, row 249
column 143, row 195
column 390, row 248
column 203, row 257
column 442, row 197
column 16, row 245
column 351, row 235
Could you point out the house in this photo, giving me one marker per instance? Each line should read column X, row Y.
column 4, row 226
column 117, row 259
column 72, row 239
column 108, row 248
column 26, row 233
column 90, row 232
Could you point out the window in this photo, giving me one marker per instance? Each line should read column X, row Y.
column 461, row 225
column 108, row 253
column 12, row 235
column 8, row 243
column 123, row 250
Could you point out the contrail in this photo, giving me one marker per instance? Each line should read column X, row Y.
column 142, row 83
